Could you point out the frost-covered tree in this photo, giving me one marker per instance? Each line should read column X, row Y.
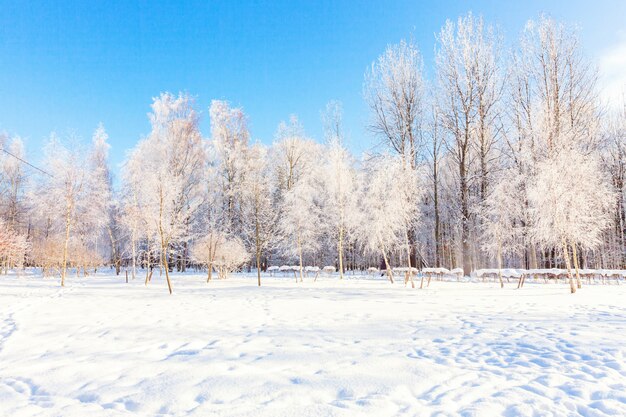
column 229, row 132
column 96, row 217
column 136, row 218
column 395, row 92
column 552, row 106
column 230, row 255
column 613, row 155
column 300, row 218
column 62, row 198
column 220, row 251
column 295, row 158
column 339, row 197
column 171, row 161
column 469, row 87
column 13, row 181
column 258, row 213
column 561, row 85
column 435, row 155
column 570, row 203
column 388, row 210
column 293, row 154
column 338, row 182
column 501, row 218
column 205, row 249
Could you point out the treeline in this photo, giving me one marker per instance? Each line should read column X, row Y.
column 504, row 158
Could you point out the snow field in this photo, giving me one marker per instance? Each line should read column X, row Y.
column 101, row 347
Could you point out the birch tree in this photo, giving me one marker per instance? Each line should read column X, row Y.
column 387, row 209
column 259, row 215
column 467, row 76
column 229, row 132
column 501, row 216
column 62, row 197
column 394, row 91
column 339, row 181
column 96, row 217
column 570, row 202
column 172, row 159
column 300, row 218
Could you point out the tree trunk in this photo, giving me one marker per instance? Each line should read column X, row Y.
column 568, row 265
column 166, row 266
column 148, row 269
column 134, row 254
column 409, row 275
column 258, row 247
column 184, row 258
column 258, row 266
column 575, row 256
column 387, row 267
column 300, row 256
column 340, row 250
column 68, row 224
column 437, row 231
column 164, row 244
column 465, row 228
column 500, row 265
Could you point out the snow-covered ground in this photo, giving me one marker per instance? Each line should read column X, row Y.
column 101, row 347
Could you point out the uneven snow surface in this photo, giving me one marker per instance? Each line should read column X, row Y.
column 100, row 347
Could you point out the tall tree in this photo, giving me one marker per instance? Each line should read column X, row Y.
column 468, row 82
column 394, row 91
column 229, row 132
column 259, row 215
column 339, row 181
column 62, row 198
column 171, row 160
column 389, row 210
column 570, row 202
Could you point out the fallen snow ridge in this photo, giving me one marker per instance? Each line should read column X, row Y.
column 101, row 347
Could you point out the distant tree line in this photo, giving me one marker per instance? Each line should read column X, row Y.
column 505, row 158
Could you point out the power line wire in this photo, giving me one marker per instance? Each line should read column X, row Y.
column 26, row 162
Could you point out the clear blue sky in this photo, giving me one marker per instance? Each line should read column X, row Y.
column 69, row 65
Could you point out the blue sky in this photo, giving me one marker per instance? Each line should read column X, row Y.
column 69, row 65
